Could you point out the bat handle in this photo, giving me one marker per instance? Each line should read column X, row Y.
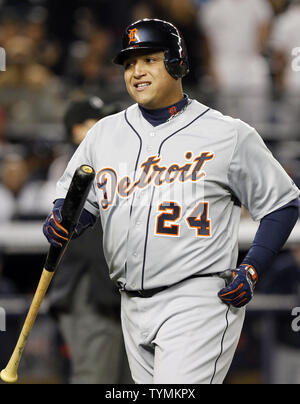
column 10, row 373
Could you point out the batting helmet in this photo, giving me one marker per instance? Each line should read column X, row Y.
column 156, row 35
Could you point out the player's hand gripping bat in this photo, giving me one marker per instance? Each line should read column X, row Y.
column 71, row 210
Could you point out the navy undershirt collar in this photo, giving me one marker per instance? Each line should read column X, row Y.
column 158, row 116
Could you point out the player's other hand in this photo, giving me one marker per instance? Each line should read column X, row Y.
column 241, row 286
column 56, row 234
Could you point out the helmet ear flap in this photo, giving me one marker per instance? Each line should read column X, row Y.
column 175, row 66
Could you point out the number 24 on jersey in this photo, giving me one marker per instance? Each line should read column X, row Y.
column 170, row 214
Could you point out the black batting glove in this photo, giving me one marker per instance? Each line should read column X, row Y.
column 241, row 286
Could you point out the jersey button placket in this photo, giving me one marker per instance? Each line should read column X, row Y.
column 149, row 148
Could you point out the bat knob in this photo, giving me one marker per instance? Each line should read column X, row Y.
column 8, row 377
column 87, row 169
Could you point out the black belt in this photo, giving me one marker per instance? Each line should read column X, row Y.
column 154, row 291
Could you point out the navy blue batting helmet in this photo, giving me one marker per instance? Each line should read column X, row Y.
column 156, row 35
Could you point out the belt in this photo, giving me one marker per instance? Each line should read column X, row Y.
column 154, row 291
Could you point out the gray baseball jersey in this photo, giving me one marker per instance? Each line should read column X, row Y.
column 170, row 196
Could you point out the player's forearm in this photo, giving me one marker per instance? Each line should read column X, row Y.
column 271, row 235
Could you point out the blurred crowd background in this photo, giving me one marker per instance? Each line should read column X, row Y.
column 244, row 60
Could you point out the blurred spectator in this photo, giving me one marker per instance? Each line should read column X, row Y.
column 76, row 127
column 29, row 90
column 7, row 203
column 88, row 64
column 20, row 53
column 40, row 155
column 70, row 23
column 3, row 132
column 237, row 31
column 283, row 278
column 279, row 6
column 7, row 286
column 48, row 50
column 14, row 174
column 23, row 173
column 285, row 46
column 8, row 289
column 9, row 27
column 47, row 162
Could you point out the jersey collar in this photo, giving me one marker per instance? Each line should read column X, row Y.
column 159, row 116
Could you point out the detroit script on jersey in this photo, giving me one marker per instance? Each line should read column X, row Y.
column 151, row 172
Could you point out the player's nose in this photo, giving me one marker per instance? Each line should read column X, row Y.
column 139, row 70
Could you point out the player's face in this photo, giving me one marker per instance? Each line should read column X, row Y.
column 149, row 83
column 80, row 130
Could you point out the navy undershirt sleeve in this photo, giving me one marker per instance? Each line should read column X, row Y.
column 273, row 232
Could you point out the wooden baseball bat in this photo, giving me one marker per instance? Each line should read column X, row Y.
column 71, row 210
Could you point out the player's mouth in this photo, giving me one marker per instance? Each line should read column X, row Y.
column 142, row 85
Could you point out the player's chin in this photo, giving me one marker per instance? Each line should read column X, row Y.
column 143, row 98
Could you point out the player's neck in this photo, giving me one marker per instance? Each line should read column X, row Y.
column 161, row 115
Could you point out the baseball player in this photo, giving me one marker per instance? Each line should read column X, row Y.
column 172, row 175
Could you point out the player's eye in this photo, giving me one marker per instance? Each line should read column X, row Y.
column 127, row 65
column 150, row 59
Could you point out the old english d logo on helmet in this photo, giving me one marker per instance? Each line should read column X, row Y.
column 133, row 35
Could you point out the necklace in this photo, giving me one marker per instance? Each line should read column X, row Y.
column 181, row 111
